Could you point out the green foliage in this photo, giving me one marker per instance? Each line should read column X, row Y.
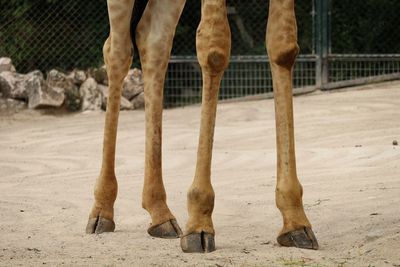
column 368, row 26
column 44, row 34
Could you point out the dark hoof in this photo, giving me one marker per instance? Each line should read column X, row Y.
column 99, row 225
column 302, row 238
column 169, row 229
column 198, row 243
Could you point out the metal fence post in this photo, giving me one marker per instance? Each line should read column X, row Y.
column 322, row 36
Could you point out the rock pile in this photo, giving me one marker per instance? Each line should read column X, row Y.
column 75, row 91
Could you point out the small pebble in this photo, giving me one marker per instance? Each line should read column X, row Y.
column 395, row 143
column 374, row 235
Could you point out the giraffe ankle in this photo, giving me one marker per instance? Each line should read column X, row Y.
column 159, row 212
column 294, row 219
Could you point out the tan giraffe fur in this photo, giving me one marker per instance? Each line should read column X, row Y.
column 154, row 36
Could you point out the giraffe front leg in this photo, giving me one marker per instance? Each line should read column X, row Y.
column 154, row 37
column 213, row 50
column 282, row 50
column 118, row 58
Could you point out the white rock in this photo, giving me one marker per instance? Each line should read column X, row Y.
column 77, row 76
column 133, row 84
column 13, row 85
column 138, row 101
column 58, row 79
column 125, row 104
column 6, row 64
column 40, row 94
column 91, row 96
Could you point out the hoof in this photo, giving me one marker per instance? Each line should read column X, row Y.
column 198, row 243
column 169, row 229
column 99, row 225
column 302, row 238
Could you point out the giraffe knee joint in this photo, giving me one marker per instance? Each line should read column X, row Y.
column 217, row 61
column 283, row 54
column 213, row 45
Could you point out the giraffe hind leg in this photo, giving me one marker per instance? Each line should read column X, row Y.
column 154, row 36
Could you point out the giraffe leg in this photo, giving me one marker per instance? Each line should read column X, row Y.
column 154, row 37
column 118, row 58
column 213, row 50
column 282, row 50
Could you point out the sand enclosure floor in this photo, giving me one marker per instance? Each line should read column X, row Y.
column 349, row 168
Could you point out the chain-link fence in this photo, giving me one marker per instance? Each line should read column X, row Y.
column 45, row 34
column 342, row 43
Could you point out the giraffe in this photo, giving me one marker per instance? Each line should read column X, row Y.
column 153, row 24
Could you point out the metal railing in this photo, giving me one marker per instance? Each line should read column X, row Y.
column 246, row 75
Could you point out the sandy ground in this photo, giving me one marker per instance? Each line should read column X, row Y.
column 347, row 163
